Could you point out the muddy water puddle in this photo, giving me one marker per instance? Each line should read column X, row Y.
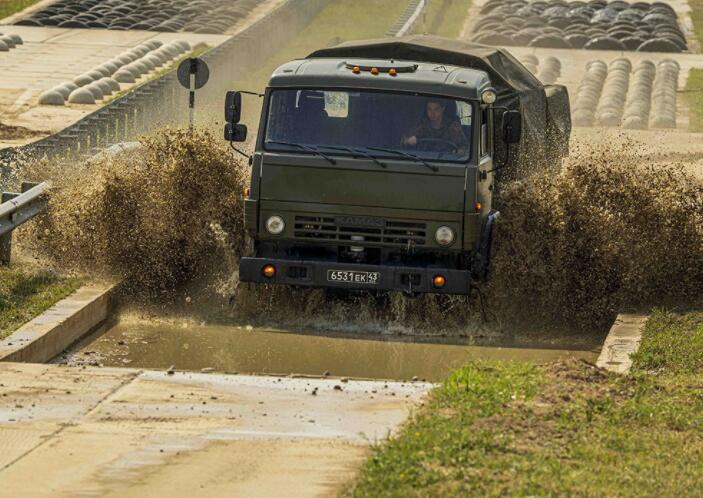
column 245, row 349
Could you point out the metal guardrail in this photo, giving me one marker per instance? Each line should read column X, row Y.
column 408, row 18
column 16, row 209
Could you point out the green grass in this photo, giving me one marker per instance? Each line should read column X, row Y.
column 672, row 342
column 9, row 7
column 697, row 19
column 26, row 292
column 341, row 20
column 694, row 97
column 563, row 429
column 444, row 18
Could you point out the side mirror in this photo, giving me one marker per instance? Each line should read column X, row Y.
column 512, row 126
column 233, row 107
column 235, row 132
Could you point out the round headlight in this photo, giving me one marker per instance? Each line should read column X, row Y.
column 444, row 236
column 488, row 96
column 275, row 225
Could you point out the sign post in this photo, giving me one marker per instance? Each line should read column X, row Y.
column 192, row 74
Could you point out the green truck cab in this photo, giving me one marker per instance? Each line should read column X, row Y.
column 374, row 172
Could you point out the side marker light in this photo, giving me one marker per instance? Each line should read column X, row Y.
column 269, row 271
column 439, row 281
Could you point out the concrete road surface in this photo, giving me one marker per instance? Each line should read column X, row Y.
column 67, row 432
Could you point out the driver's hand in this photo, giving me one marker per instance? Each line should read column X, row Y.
column 410, row 141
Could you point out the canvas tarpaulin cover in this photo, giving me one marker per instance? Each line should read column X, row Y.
column 545, row 109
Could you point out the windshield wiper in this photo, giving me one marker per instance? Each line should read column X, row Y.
column 304, row 147
column 357, row 152
column 406, row 154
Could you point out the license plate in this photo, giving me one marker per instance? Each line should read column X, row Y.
column 354, row 277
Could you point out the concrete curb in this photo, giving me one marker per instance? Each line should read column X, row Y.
column 622, row 341
column 53, row 331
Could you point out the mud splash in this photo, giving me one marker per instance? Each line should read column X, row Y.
column 614, row 229
column 155, row 215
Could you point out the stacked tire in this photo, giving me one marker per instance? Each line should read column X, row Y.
column 595, row 25
column 664, row 94
column 612, row 101
column 549, row 70
column 531, row 62
column 588, row 94
column 639, row 97
column 197, row 16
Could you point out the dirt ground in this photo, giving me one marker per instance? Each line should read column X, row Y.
column 659, row 146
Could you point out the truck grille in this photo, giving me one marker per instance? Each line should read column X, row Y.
column 390, row 233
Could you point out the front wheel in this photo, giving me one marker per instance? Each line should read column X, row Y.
column 482, row 257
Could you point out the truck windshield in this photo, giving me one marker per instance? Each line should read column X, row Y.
column 428, row 127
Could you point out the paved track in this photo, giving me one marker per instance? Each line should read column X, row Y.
column 67, row 432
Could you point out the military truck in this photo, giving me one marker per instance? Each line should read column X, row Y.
column 376, row 162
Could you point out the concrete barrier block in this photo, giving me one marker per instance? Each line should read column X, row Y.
column 622, row 341
column 55, row 330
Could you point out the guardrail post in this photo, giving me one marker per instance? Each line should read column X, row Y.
column 93, row 131
column 119, row 122
column 129, row 119
column 101, row 125
column 67, row 144
column 27, row 205
column 83, row 131
column 147, row 106
column 140, row 111
column 159, row 105
column 6, row 240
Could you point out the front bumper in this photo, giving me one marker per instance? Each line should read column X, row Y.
column 315, row 274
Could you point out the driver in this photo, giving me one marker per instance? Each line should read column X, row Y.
column 437, row 131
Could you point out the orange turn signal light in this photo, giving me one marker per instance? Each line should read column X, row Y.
column 356, row 70
column 269, row 271
column 477, row 206
column 439, row 281
column 374, row 70
column 393, row 72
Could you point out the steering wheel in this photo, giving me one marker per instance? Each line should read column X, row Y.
column 445, row 145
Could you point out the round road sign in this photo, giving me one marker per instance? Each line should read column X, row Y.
column 196, row 67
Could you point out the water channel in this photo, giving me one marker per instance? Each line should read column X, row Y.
column 160, row 344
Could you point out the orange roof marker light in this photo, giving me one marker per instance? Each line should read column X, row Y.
column 356, row 70
column 393, row 71
column 374, row 70
column 439, row 281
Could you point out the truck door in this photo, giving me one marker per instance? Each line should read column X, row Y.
column 485, row 158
